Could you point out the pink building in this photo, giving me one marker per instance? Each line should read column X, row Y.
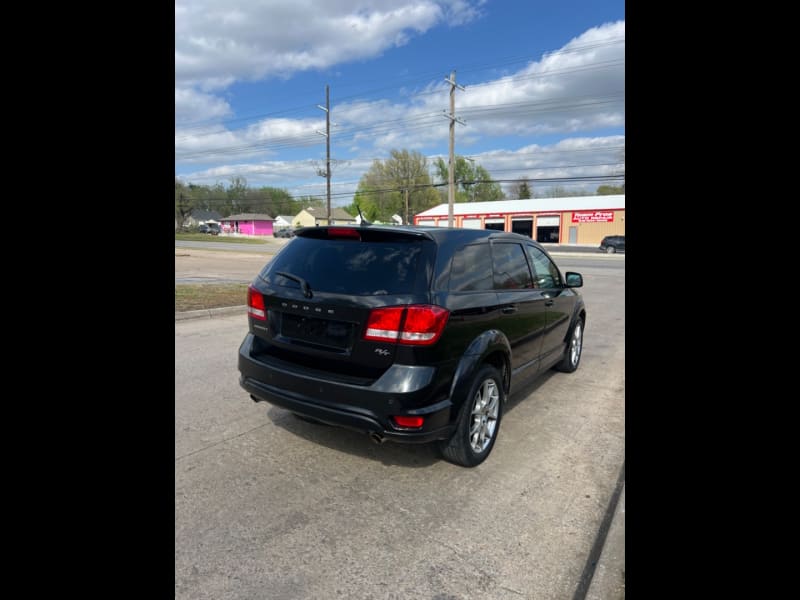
column 248, row 224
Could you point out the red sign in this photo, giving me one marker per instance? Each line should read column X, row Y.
column 595, row 216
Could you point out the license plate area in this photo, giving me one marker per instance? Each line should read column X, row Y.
column 320, row 332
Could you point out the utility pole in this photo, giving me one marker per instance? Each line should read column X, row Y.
column 407, row 223
column 451, row 188
column 327, row 134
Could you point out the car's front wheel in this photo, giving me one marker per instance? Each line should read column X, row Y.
column 479, row 421
column 572, row 356
column 610, row 250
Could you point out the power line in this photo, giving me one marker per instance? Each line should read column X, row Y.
column 416, row 78
column 414, row 123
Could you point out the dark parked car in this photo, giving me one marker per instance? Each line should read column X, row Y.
column 613, row 243
column 286, row 232
column 410, row 334
column 212, row 228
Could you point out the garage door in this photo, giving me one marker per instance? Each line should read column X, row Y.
column 523, row 226
column 471, row 223
column 548, row 221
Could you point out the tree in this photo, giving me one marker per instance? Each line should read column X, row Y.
column 559, row 191
column 473, row 182
column 607, row 190
column 237, row 194
column 184, row 204
column 523, row 190
column 382, row 189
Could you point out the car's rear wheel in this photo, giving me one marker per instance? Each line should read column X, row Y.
column 610, row 249
column 479, row 421
column 572, row 356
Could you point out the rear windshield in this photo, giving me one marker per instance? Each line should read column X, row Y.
column 355, row 267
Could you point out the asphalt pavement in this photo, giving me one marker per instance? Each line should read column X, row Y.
column 604, row 574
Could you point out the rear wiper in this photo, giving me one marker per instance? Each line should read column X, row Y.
column 303, row 283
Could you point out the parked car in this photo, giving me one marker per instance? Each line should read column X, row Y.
column 409, row 334
column 613, row 243
column 212, row 228
column 286, row 232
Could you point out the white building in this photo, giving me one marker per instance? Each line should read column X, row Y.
column 581, row 220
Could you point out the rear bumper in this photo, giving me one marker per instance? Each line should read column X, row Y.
column 403, row 391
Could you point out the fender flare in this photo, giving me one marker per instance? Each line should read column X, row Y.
column 489, row 342
column 580, row 307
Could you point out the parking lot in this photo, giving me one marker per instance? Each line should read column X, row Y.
column 268, row 506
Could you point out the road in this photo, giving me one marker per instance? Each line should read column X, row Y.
column 228, row 262
column 267, row 506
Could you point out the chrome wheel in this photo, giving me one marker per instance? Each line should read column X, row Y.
column 575, row 344
column 485, row 409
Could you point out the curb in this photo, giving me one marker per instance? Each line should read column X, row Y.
column 210, row 313
column 567, row 254
column 608, row 582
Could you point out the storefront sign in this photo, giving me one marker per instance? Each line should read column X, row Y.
column 596, row 216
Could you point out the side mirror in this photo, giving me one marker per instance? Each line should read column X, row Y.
column 574, row 279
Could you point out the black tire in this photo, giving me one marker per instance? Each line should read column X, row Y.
column 486, row 397
column 572, row 355
column 610, row 250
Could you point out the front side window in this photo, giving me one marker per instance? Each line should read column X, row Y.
column 547, row 275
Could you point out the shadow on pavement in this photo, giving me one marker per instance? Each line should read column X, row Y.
column 355, row 443
column 389, row 453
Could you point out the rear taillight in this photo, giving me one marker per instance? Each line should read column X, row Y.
column 419, row 324
column 408, row 422
column 255, row 304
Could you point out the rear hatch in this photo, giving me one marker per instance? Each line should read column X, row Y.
column 332, row 298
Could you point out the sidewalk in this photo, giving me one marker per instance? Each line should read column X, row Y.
column 208, row 313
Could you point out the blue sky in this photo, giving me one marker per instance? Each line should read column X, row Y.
column 544, row 89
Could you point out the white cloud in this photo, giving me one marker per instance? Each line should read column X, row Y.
column 580, row 87
column 219, row 41
column 192, row 106
column 574, row 90
column 571, row 157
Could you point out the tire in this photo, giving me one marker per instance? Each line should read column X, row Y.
column 610, row 250
column 572, row 355
column 478, row 422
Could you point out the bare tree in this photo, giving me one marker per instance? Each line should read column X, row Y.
column 522, row 190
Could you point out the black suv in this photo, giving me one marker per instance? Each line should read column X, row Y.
column 613, row 243
column 410, row 334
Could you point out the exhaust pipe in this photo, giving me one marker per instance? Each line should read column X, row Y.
column 377, row 437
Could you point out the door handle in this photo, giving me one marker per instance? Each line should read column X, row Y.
column 508, row 310
column 548, row 303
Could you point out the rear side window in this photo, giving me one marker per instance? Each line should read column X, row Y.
column 354, row 267
column 471, row 269
column 510, row 267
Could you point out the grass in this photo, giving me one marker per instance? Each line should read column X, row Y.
column 198, row 296
column 204, row 237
